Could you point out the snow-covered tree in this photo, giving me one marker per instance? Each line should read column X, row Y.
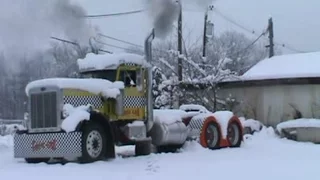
column 228, row 55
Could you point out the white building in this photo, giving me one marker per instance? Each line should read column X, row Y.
column 277, row 89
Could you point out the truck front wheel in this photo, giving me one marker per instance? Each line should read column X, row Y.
column 94, row 143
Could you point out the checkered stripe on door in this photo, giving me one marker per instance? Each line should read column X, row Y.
column 83, row 100
column 134, row 101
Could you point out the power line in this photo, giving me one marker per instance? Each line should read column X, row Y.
column 115, row 14
column 253, row 42
column 233, row 22
column 76, row 44
column 111, row 45
column 123, row 41
column 63, row 40
column 290, row 48
column 285, row 45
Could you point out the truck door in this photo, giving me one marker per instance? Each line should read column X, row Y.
column 134, row 93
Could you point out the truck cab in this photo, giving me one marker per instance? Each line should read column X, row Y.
column 134, row 94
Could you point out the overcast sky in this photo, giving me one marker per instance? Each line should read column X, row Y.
column 295, row 21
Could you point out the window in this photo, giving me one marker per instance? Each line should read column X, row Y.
column 129, row 78
column 103, row 74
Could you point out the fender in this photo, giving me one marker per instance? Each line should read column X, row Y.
column 224, row 141
column 237, row 120
column 233, row 119
column 206, row 122
column 104, row 122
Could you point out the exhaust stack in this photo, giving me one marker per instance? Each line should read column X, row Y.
column 148, row 56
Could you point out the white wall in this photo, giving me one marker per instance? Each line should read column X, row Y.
column 274, row 104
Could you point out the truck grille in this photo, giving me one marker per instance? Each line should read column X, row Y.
column 43, row 110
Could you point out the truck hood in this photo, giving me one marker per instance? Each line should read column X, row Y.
column 96, row 86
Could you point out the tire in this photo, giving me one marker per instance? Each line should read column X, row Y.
column 212, row 135
column 234, row 135
column 37, row 160
column 143, row 148
column 94, row 143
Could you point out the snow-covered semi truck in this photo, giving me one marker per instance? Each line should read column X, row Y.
column 111, row 105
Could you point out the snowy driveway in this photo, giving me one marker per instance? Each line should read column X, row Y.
column 262, row 157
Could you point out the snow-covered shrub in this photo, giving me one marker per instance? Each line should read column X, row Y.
column 10, row 129
column 165, row 90
column 250, row 125
column 288, row 128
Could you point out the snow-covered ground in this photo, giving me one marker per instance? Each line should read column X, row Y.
column 262, row 156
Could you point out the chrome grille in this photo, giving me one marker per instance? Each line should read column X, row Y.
column 43, row 110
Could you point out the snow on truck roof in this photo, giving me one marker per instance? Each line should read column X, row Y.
column 286, row 66
column 109, row 61
column 94, row 86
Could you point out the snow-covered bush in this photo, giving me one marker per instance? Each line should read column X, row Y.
column 302, row 129
column 10, row 129
column 250, row 125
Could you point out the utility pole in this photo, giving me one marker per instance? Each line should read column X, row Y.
column 180, row 43
column 207, row 29
column 178, row 101
column 205, row 35
column 271, row 44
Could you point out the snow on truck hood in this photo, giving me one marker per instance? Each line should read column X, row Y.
column 95, row 86
column 109, row 61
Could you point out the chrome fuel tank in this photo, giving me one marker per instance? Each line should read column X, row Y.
column 168, row 133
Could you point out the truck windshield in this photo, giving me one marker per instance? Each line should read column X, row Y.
column 103, row 74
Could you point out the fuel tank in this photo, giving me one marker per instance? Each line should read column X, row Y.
column 174, row 133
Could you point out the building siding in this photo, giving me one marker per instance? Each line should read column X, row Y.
column 274, row 104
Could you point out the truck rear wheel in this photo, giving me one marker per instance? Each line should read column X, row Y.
column 143, row 148
column 94, row 143
column 210, row 135
column 37, row 160
column 234, row 134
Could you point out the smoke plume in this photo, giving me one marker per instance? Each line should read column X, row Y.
column 26, row 25
column 164, row 13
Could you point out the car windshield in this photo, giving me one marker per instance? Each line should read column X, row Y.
column 105, row 74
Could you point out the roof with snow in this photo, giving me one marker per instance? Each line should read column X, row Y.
column 109, row 61
column 302, row 65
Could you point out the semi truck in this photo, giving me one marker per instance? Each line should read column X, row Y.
column 111, row 104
